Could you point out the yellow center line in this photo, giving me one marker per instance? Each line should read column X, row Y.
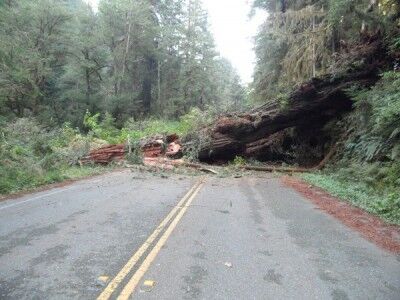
column 113, row 285
column 133, row 282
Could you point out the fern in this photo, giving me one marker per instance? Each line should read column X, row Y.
column 376, row 121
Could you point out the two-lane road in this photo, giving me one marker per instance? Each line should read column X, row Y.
column 132, row 235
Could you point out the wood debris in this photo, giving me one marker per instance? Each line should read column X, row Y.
column 105, row 155
column 153, row 147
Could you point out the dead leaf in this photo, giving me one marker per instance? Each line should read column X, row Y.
column 103, row 278
column 228, row 264
column 148, row 285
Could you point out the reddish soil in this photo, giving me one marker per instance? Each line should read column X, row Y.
column 371, row 227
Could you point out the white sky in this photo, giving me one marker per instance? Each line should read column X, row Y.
column 233, row 32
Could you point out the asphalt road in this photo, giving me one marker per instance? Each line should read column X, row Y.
column 137, row 236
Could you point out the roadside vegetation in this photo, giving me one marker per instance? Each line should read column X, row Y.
column 349, row 184
column 367, row 169
column 72, row 79
column 32, row 154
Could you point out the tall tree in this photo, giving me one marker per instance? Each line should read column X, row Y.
column 134, row 58
column 299, row 38
column 33, row 36
column 199, row 53
column 80, row 85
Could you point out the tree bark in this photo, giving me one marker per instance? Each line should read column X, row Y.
column 311, row 106
column 128, row 37
column 87, row 77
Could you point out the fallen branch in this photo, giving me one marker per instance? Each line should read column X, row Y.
column 200, row 167
column 319, row 167
column 165, row 162
column 278, row 169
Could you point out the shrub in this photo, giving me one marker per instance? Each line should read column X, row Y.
column 368, row 174
column 239, row 161
column 382, row 202
column 376, row 121
column 31, row 155
column 187, row 124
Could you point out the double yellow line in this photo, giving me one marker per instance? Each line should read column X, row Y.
column 175, row 215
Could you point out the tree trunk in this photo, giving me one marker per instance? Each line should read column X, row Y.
column 283, row 6
column 159, row 85
column 260, row 132
column 87, row 78
column 124, row 62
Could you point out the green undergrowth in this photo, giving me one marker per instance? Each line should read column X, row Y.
column 106, row 130
column 32, row 154
column 367, row 171
column 18, row 179
column 373, row 188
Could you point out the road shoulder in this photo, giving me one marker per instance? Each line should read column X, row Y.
column 371, row 227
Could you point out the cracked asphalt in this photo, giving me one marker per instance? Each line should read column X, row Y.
column 240, row 238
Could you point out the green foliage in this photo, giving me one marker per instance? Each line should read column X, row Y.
column 195, row 120
column 150, row 127
column 104, row 130
column 31, row 155
column 302, row 39
column 186, row 125
column 91, row 122
column 373, row 188
column 291, row 47
column 239, row 161
column 395, row 45
column 368, row 173
column 134, row 155
column 376, row 121
column 137, row 59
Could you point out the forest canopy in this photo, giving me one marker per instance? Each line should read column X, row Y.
column 302, row 39
column 132, row 59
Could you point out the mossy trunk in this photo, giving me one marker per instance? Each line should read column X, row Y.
column 271, row 132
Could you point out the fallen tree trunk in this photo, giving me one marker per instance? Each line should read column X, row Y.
column 263, row 131
column 105, row 155
column 277, row 169
column 320, row 166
